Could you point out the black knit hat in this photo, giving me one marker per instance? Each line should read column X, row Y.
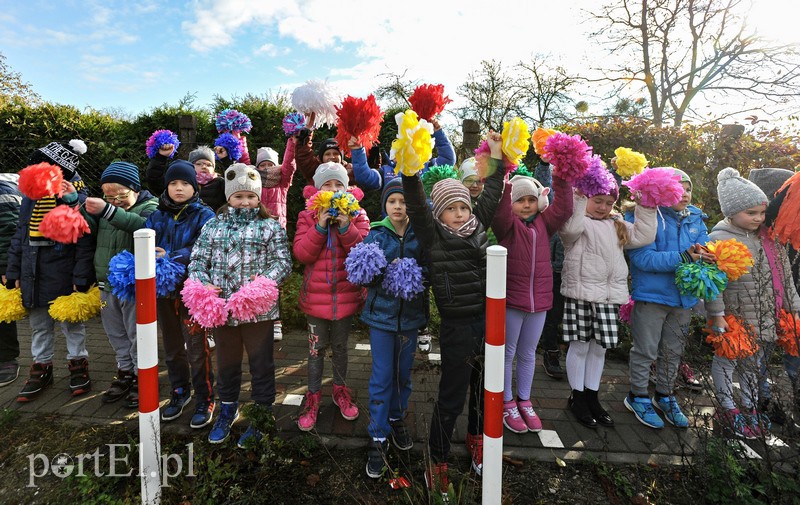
column 65, row 155
column 393, row 186
column 181, row 170
column 328, row 144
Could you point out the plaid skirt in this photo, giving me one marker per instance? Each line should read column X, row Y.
column 586, row 320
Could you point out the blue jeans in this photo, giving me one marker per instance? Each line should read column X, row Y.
column 390, row 381
column 790, row 363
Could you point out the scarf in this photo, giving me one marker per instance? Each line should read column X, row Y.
column 775, row 268
column 166, row 204
column 466, row 229
column 41, row 207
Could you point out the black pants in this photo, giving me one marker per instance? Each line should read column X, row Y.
column 186, row 349
column 231, row 342
column 461, row 343
column 9, row 343
column 550, row 334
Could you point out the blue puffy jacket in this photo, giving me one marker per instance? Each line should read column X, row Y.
column 177, row 232
column 653, row 266
column 386, row 312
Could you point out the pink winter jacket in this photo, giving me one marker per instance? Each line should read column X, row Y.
column 325, row 292
column 529, row 276
column 274, row 198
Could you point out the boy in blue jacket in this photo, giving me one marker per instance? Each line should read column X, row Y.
column 177, row 222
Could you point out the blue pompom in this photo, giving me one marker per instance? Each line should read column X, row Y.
column 403, row 279
column 293, row 123
column 169, row 275
column 364, row 262
column 231, row 144
column 122, row 276
column 231, row 120
column 158, row 139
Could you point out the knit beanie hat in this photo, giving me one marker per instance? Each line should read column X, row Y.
column 65, row 155
column 328, row 144
column 266, row 154
column 393, row 186
column 467, row 169
column 448, row 191
column 684, row 175
column 736, row 193
column 769, row 180
column 522, row 185
column 181, row 170
column 202, row 153
column 330, row 171
column 122, row 172
column 241, row 177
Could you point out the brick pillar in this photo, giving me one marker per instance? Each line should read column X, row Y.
column 471, row 131
column 187, row 133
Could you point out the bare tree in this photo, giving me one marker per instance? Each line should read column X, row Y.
column 395, row 90
column 492, row 96
column 681, row 49
column 545, row 88
column 12, row 86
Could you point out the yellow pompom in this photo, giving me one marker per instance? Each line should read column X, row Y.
column 539, row 138
column 77, row 307
column 320, row 201
column 629, row 162
column 515, row 139
column 733, row 257
column 413, row 146
column 11, row 308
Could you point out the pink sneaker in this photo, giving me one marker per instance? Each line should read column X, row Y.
column 512, row 419
column 342, row 398
column 308, row 419
column 529, row 416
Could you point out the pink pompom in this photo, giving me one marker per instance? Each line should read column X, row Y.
column 568, row 154
column 204, row 304
column 64, row 224
column 625, row 311
column 656, row 187
column 482, row 155
column 253, row 299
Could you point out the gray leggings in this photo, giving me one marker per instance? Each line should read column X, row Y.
column 722, row 373
column 324, row 333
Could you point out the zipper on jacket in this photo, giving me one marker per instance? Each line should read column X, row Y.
column 333, row 255
column 533, row 268
column 400, row 309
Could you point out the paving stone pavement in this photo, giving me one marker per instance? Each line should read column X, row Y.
column 563, row 437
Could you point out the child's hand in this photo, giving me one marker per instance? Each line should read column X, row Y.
column 495, row 142
column 578, row 192
column 166, row 149
column 67, row 187
column 95, row 205
column 718, row 324
column 213, row 288
column 160, row 252
column 614, row 163
column 436, row 125
column 342, row 219
column 324, row 218
column 353, row 144
column 222, row 153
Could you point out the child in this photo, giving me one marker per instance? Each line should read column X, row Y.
column 329, row 301
column 10, row 199
column 470, row 178
column 393, row 326
column 594, row 282
column 45, row 270
column 455, row 239
column 122, row 210
column 177, row 222
column 358, row 172
column 243, row 241
column 661, row 314
column 523, row 224
column 756, row 298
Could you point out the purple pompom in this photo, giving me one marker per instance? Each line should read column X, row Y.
column 158, row 139
column 169, row 274
column 231, row 120
column 293, row 123
column 231, row 144
column 365, row 261
column 597, row 180
column 403, row 279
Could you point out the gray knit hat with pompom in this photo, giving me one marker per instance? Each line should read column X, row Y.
column 736, row 193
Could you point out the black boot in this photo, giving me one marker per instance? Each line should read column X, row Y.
column 79, row 381
column 40, row 378
column 577, row 404
column 552, row 367
column 597, row 410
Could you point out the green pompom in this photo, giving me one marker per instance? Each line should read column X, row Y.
column 521, row 170
column 435, row 174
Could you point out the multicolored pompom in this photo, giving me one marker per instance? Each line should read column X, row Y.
column 231, row 120
column 160, row 138
column 293, row 123
column 733, row 257
column 231, row 144
column 701, row 280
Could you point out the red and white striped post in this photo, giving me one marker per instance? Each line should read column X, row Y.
column 144, row 247
column 494, row 366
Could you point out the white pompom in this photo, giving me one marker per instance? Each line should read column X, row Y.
column 78, row 146
column 318, row 97
column 727, row 173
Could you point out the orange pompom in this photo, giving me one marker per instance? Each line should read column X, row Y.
column 41, row 180
column 539, row 138
column 787, row 226
column 733, row 257
column 789, row 333
column 64, row 224
column 739, row 341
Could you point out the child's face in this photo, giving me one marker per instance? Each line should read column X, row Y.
column 332, row 185
column 119, row 196
column 686, row 199
column 525, row 207
column 455, row 215
column 474, row 184
column 600, row 206
column 265, row 165
column 180, row 191
column 332, row 155
column 750, row 219
column 396, row 208
column 244, row 200
column 204, row 167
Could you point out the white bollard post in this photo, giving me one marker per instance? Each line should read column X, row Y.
column 144, row 242
column 494, row 366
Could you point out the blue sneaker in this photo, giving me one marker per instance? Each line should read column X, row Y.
column 668, row 405
column 174, row 409
column 202, row 415
column 642, row 407
column 251, row 434
column 228, row 414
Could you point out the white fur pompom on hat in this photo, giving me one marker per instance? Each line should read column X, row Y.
column 78, row 146
column 736, row 193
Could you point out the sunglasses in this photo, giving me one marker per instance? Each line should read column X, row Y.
column 118, row 198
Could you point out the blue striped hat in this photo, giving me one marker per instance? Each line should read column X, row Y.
column 122, row 172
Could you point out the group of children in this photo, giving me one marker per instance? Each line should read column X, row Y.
column 227, row 229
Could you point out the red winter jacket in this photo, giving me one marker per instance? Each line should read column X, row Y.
column 529, row 275
column 326, row 293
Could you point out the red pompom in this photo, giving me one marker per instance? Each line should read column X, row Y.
column 64, row 224
column 41, row 180
column 428, row 100
column 360, row 118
